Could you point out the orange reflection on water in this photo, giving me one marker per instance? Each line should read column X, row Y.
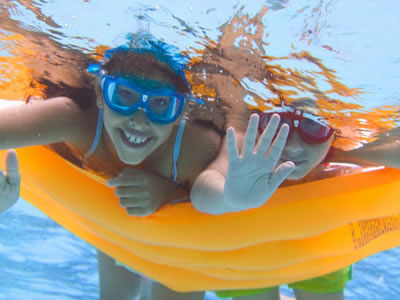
column 16, row 79
column 238, row 60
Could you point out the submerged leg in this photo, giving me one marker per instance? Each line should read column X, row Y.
column 157, row 291
column 115, row 281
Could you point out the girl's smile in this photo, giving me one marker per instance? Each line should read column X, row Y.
column 135, row 139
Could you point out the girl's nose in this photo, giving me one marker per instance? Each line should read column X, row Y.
column 294, row 146
column 139, row 120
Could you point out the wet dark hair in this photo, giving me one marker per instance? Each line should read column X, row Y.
column 143, row 65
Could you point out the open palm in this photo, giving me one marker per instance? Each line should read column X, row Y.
column 252, row 175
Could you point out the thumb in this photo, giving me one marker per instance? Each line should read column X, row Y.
column 13, row 175
column 281, row 173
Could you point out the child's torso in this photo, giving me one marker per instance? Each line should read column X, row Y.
column 197, row 148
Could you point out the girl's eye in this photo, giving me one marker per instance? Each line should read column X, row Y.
column 160, row 101
column 159, row 104
column 125, row 93
column 126, row 96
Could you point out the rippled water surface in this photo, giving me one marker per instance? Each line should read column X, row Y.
column 353, row 58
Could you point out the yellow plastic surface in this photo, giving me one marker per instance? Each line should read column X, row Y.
column 302, row 232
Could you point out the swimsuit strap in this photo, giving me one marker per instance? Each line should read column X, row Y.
column 177, row 148
column 97, row 137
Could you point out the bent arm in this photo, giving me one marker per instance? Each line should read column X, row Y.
column 51, row 121
column 207, row 193
column 384, row 151
column 235, row 182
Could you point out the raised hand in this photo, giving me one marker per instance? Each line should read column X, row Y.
column 10, row 182
column 140, row 192
column 253, row 174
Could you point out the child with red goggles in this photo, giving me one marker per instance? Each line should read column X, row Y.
column 312, row 129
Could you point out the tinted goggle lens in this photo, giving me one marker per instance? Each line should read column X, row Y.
column 312, row 132
column 163, row 106
column 159, row 104
column 265, row 118
column 124, row 96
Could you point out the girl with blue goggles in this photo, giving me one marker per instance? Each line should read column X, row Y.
column 161, row 104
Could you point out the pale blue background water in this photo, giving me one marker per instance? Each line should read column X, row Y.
column 39, row 260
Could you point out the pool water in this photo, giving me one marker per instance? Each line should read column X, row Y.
column 40, row 260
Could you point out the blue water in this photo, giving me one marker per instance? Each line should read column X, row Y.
column 40, row 260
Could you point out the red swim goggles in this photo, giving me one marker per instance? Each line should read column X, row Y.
column 309, row 127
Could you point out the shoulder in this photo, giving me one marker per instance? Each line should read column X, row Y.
column 200, row 145
column 68, row 119
column 203, row 138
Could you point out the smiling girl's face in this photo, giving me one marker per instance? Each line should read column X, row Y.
column 135, row 137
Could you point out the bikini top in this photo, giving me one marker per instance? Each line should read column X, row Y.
column 177, row 145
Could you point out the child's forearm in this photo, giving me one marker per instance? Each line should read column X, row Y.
column 386, row 154
column 51, row 121
column 207, row 194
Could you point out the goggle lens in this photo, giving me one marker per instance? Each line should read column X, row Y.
column 265, row 118
column 124, row 96
column 164, row 107
column 314, row 131
column 310, row 131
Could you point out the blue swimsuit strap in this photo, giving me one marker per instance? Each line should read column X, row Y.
column 177, row 148
column 97, row 137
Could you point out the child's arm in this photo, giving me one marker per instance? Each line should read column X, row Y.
column 51, row 121
column 9, row 183
column 384, row 151
column 54, row 120
column 235, row 182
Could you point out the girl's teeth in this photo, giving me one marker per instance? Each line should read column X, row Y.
column 135, row 139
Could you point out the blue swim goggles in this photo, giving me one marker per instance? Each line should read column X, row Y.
column 162, row 105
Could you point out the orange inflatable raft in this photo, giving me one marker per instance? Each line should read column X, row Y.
column 302, row 232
